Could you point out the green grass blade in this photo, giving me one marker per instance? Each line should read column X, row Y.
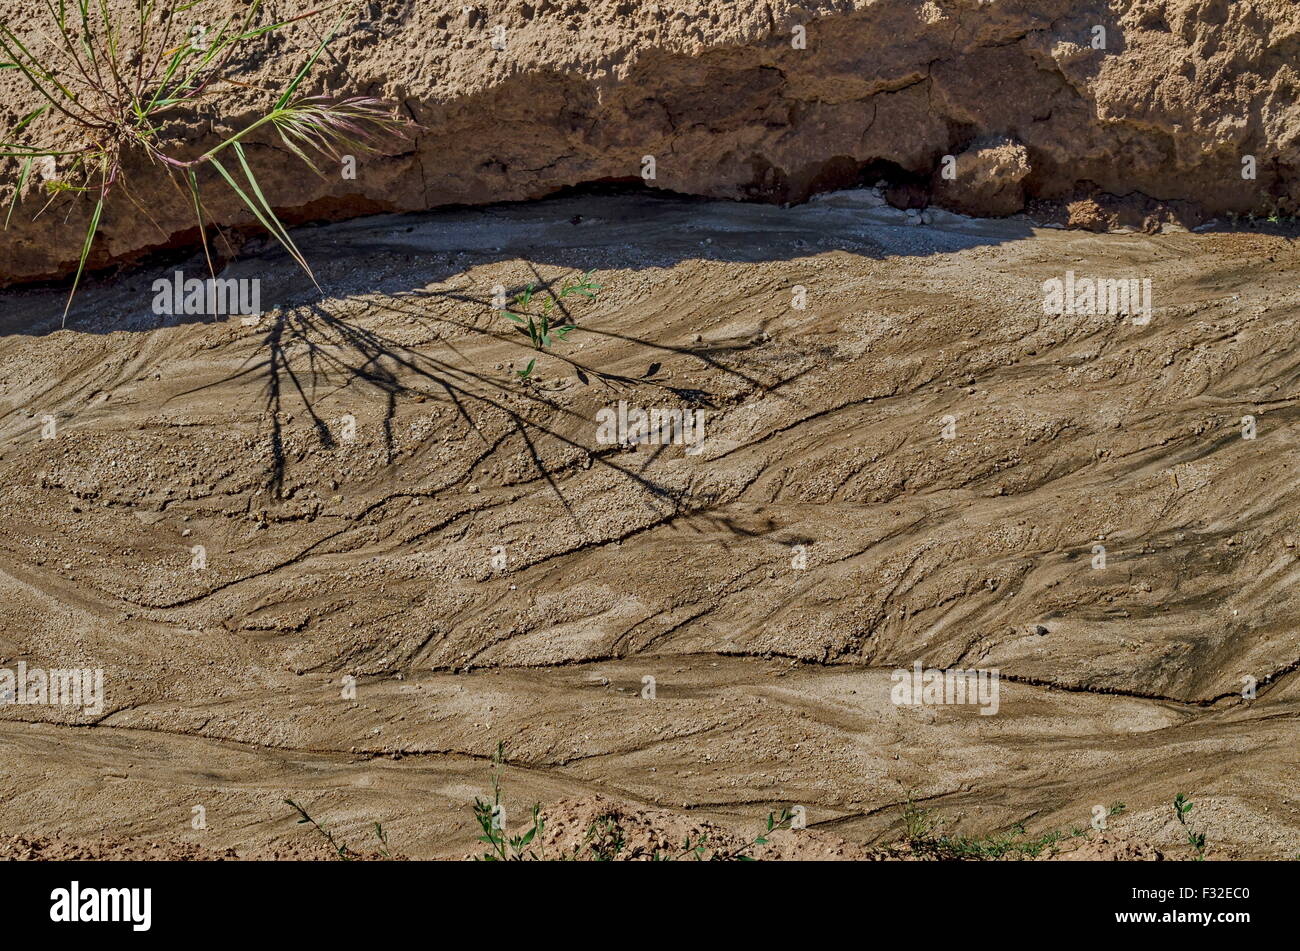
column 176, row 60
column 29, row 118
column 36, row 76
column 192, row 180
column 306, row 68
column 17, row 150
column 268, row 219
column 22, row 180
column 257, row 190
column 248, row 202
column 85, row 253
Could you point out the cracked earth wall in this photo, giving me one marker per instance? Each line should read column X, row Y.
column 729, row 106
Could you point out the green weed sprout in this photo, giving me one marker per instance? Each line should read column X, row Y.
column 118, row 77
column 1183, row 808
column 549, row 324
column 503, row 846
column 340, row 848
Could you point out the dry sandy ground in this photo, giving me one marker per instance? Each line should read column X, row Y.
column 374, row 556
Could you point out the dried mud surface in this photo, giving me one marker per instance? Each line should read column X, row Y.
column 729, row 107
column 373, row 557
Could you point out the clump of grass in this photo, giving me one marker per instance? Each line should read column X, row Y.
column 919, row 824
column 118, row 78
column 923, row 834
column 341, row 849
column 551, row 323
column 1182, row 809
column 503, row 846
column 604, row 840
column 1000, row 845
column 699, row 849
column 382, row 836
column 1276, row 211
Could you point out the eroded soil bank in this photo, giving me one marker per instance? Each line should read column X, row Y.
column 378, row 495
column 1133, row 113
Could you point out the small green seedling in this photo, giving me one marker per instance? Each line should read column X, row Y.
column 503, row 846
column 774, row 823
column 1183, row 808
column 340, row 848
column 548, row 325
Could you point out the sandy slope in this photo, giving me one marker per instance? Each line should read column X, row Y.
column 373, row 557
